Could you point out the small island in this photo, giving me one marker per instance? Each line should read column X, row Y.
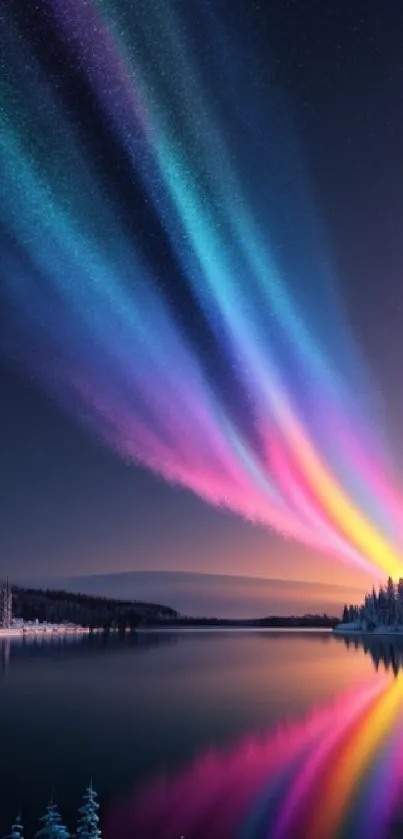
column 380, row 614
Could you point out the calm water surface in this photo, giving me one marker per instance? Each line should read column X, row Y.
column 220, row 735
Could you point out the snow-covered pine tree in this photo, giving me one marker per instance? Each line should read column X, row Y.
column 390, row 597
column 382, row 606
column 399, row 602
column 365, row 613
column 372, row 610
column 52, row 826
column 88, row 818
column 17, row 830
column 375, row 606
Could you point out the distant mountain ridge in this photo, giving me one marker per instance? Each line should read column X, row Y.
column 206, row 594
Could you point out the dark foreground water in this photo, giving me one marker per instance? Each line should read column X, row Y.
column 206, row 735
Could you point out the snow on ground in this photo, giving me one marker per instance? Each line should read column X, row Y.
column 346, row 628
column 21, row 628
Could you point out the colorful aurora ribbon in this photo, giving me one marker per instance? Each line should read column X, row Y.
column 336, row 775
column 165, row 275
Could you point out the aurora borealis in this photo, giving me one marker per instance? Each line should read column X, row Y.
column 175, row 292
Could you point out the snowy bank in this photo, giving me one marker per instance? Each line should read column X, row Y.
column 356, row 628
column 19, row 630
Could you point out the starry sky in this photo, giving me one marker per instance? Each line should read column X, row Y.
column 101, row 123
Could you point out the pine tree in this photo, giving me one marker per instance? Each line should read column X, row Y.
column 372, row 610
column 345, row 614
column 390, row 596
column 365, row 613
column 399, row 601
column 382, row 606
column 17, row 830
column 375, row 606
column 88, row 818
column 52, row 827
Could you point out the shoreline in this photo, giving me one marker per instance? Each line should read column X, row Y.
column 162, row 628
column 378, row 632
column 20, row 632
column 234, row 627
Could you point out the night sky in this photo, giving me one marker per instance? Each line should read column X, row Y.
column 307, row 113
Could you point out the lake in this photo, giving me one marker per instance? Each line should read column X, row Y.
column 206, row 735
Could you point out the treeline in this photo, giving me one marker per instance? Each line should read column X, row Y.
column 382, row 608
column 275, row 621
column 303, row 621
column 48, row 606
column 95, row 612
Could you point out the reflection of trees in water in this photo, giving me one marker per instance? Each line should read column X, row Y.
column 14, row 651
column 4, row 654
column 382, row 650
column 18, row 649
column 325, row 636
